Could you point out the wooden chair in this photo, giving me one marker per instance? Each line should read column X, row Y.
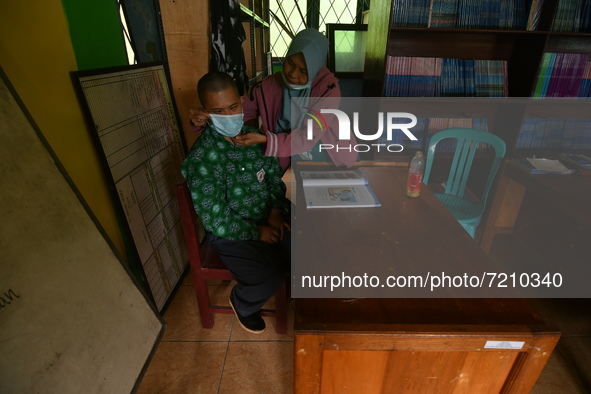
column 207, row 265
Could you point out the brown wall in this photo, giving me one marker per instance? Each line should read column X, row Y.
column 186, row 31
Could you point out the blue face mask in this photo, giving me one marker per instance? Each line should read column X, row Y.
column 227, row 125
column 295, row 87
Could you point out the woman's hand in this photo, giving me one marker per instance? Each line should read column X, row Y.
column 277, row 222
column 250, row 139
column 268, row 235
column 198, row 117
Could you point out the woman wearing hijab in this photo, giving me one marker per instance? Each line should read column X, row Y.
column 304, row 77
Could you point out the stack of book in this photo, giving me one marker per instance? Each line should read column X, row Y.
column 438, row 77
column 466, row 14
column 585, row 90
column 413, row 77
column 426, row 127
column 419, row 131
column 573, row 16
column 579, row 162
column 449, row 144
column 547, row 133
column 541, row 166
column 411, row 13
column 562, row 75
column 490, row 78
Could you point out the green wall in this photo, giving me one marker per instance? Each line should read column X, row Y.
column 41, row 42
column 95, row 33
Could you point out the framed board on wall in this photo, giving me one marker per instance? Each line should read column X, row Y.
column 132, row 117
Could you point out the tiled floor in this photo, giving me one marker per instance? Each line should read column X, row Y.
column 569, row 368
column 226, row 359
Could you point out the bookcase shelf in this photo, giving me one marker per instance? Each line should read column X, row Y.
column 255, row 18
column 522, row 50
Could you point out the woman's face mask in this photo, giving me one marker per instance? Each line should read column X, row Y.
column 294, row 87
column 227, row 125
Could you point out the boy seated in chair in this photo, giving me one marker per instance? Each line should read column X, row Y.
column 240, row 197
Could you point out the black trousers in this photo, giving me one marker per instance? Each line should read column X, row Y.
column 259, row 269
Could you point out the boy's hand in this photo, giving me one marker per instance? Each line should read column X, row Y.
column 250, row 139
column 198, row 117
column 268, row 234
column 277, row 222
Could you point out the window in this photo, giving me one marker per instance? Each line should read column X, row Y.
column 131, row 58
column 288, row 17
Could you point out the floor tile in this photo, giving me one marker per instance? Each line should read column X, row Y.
column 570, row 316
column 184, row 323
column 558, row 378
column 577, row 350
column 185, row 367
column 258, row 368
column 191, row 359
column 187, row 279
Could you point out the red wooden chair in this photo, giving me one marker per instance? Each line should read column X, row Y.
column 207, row 265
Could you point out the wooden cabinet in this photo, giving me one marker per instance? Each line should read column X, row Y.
column 419, row 346
column 372, row 345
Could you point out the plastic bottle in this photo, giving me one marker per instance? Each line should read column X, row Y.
column 415, row 175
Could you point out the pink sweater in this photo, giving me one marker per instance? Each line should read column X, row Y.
column 265, row 99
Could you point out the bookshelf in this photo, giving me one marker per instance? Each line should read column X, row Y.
column 523, row 50
column 257, row 49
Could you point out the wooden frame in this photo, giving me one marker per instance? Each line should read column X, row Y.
column 331, row 28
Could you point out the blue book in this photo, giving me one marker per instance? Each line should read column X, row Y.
column 448, row 70
column 469, row 83
column 544, row 74
column 525, row 135
column 444, row 14
column 538, row 135
column 568, row 134
column 553, row 134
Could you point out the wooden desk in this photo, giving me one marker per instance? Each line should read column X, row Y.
column 418, row 346
column 566, row 195
column 394, row 345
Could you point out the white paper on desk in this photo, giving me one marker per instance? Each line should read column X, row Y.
column 548, row 165
column 360, row 196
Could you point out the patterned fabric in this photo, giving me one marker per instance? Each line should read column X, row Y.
column 227, row 36
column 233, row 187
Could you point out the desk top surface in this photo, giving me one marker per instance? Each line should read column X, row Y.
column 385, row 314
column 404, row 236
column 404, row 233
column 567, row 193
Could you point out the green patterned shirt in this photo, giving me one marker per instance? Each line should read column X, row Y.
column 233, row 187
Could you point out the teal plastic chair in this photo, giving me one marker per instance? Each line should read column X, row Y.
column 466, row 211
